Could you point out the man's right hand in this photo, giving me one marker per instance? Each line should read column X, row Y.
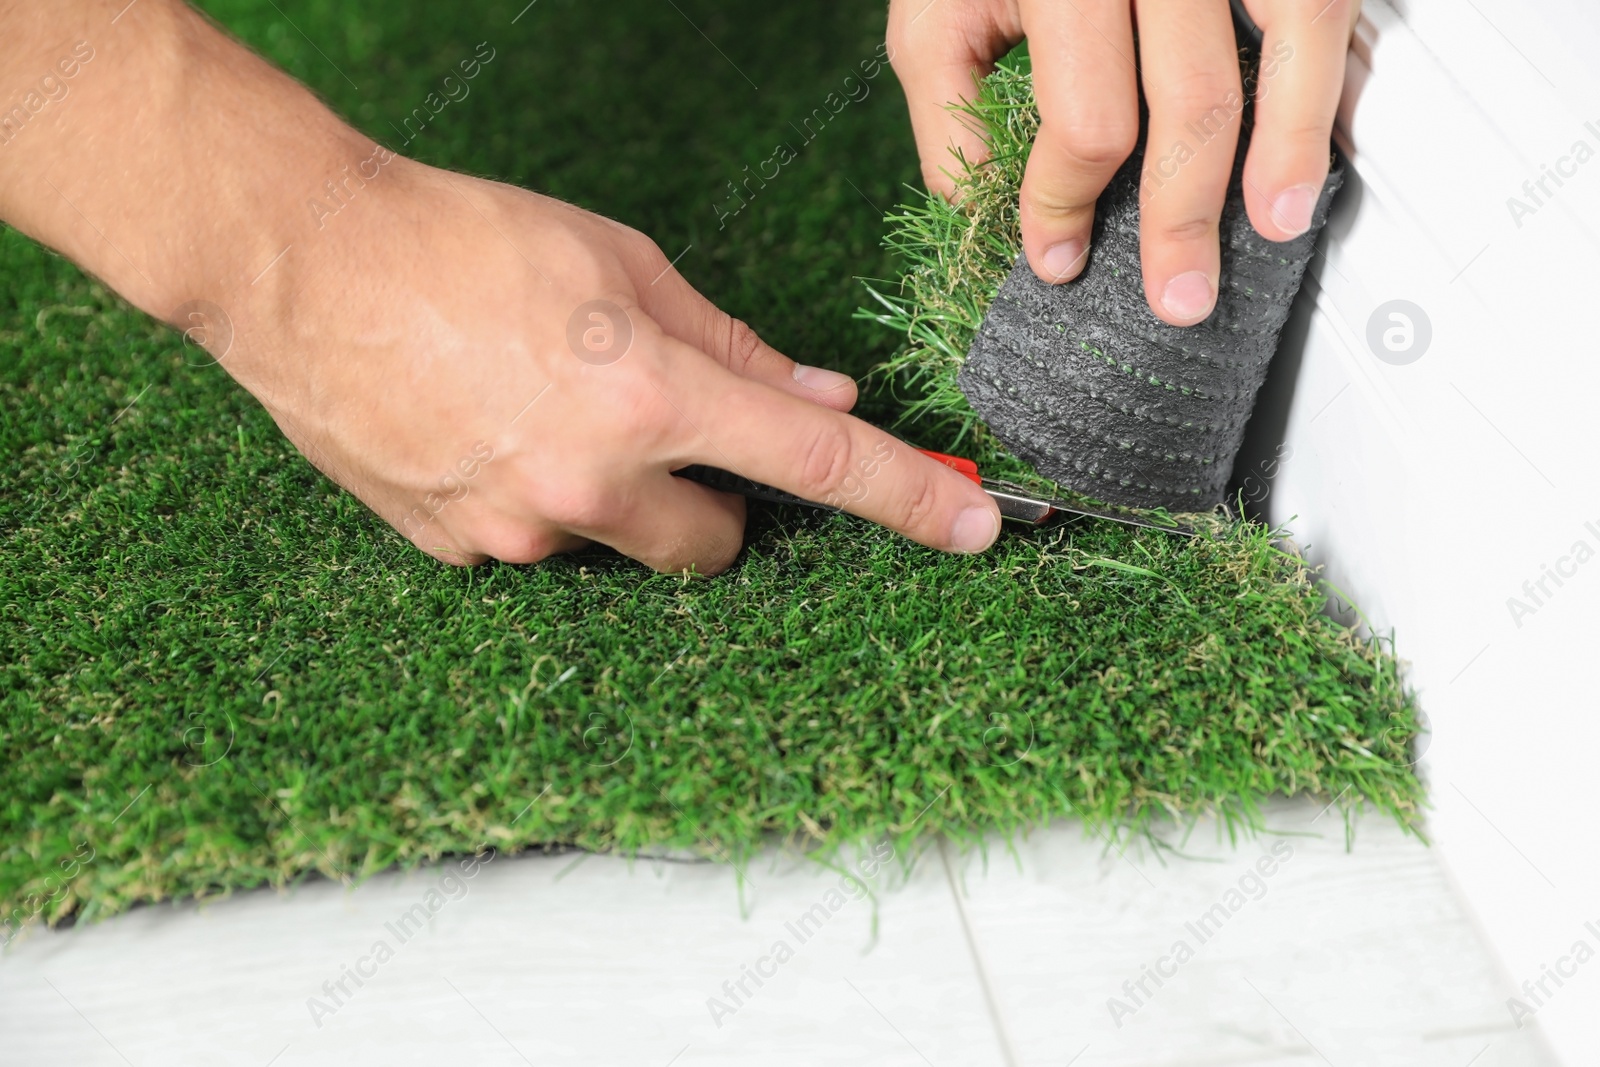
column 499, row 374
column 494, row 372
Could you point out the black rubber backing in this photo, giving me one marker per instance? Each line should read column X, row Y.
column 1084, row 382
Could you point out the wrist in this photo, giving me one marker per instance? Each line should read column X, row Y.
column 176, row 165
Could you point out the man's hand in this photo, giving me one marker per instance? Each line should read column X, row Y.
column 1084, row 78
column 494, row 372
column 508, row 376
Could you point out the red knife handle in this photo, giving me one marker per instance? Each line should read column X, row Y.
column 964, row 467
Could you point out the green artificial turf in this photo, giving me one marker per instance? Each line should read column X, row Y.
column 218, row 671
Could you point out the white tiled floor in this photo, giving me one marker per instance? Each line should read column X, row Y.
column 1358, row 958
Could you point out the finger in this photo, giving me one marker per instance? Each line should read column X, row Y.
column 434, row 542
column 417, row 521
column 837, row 460
column 683, row 527
column 1191, row 81
column 668, row 524
column 1297, row 93
column 1085, row 81
column 683, row 313
column 516, row 539
column 939, row 49
column 468, row 533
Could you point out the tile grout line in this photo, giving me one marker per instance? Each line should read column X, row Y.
column 989, row 999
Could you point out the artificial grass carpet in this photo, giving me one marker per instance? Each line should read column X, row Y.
column 1084, row 382
column 217, row 670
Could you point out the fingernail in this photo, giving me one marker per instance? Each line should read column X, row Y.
column 820, row 379
column 974, row 531
column 1063, row 260
column 1292, row 210
column 1189, row 296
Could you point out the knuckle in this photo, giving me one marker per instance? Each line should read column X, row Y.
column 1198, row 93
column 1098, row 145
column 918, row 505
column 722, row 555
column 707, row 558
column 1185, row 229
column 898, row 38
column 521, row 547
column 1305, row 135
column 743, row 346
column 646, row 249
column 509, row 541
column 634, row 252
column 580, row 505
column 639, row 412
column 825, row 461
column 455, row 558
column 895, row 38
column 433, row 541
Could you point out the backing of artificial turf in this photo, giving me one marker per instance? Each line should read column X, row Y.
column 218, row 671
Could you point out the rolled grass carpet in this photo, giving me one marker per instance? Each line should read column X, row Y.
column 1084, row 382
column 219, row 671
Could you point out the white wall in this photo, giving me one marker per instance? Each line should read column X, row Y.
column 1433, row 490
